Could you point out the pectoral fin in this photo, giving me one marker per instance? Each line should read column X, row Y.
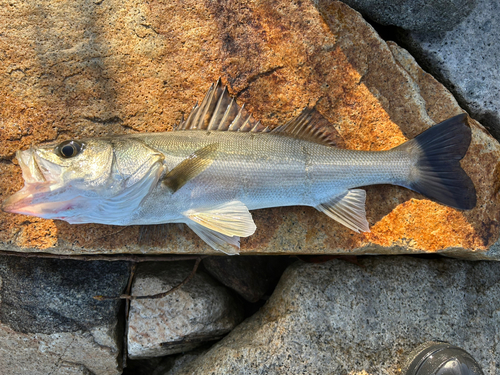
column 348, row 209
column 222, row 224
column 190, row 167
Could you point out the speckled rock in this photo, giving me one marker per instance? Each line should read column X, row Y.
column 168, row 365
column 341, row 318
column 416, row 15
column 202, row 310
column 466, row 60
column 73, row 69
column 51, row 324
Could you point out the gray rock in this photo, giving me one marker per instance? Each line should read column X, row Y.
column 415, row 15
column 168, row 365
column 201, row 310
column 51, row 324
column 178, row 362
column 251, row 276
column 466, row 60
column 340, row 318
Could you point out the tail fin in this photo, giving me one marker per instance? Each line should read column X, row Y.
column 437, row 173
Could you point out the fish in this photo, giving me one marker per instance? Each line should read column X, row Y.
column 220, row 163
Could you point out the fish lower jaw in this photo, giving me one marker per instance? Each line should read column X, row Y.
column 38, row 199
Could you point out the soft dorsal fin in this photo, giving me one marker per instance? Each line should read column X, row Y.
column 311, row 126
column 218, row 111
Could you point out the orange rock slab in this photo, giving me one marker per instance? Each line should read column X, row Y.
column 72, row 69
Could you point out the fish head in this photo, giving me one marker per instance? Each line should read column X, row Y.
column 96, row 180
column 61, row 179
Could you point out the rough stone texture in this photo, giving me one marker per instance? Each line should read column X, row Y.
column 415, row 15
column 340, row 318
column 178, row 362
column 168, row 365
column 73, row 68
column 51, row 324
column 201, row 310
column 466, row 60
column 251, row 277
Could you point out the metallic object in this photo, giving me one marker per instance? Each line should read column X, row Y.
column 440, row 358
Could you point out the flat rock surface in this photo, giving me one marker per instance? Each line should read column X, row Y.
column 51, row 324
column 342, row 318
column 201, row 310
column 71, row 69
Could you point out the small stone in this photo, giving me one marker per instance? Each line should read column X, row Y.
column 341, row 318
column 201, row 310
column 50, row 322
column 251, row 276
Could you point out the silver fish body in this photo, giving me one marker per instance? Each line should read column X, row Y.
column 263, row 170
column 220, row 164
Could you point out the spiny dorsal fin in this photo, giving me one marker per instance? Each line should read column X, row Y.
column 218, row 111
column 309, row 125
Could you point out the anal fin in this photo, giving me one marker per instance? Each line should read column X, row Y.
column 348, row 209
column 229, row 245
column 221, row 224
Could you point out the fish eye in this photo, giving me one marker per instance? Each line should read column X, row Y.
column 68, row 149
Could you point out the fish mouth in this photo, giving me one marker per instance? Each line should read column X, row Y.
column 29, row 201
column 41, row 195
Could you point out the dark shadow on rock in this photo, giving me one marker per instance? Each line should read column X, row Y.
column 52, row 295
column 252, row 277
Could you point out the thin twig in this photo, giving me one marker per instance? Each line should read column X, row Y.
column 164, row 294
column 129, row 297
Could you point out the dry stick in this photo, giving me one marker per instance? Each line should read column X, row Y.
column 164, row 294
column 129, row 297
